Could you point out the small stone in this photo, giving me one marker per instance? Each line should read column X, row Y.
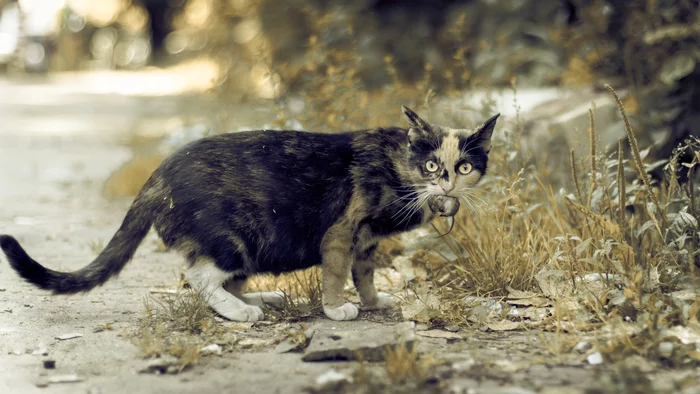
column 49, row 364
column 40, row 350
column 42, row 382
column 332, row 377
column 368, row 345
column 595, row 358
column 253, row 343
column 666, row 349
column 64, row 379
column 211, row 349
column 68, row 336
column 447, row 335
column 582, row 346
column 296, row 343
column 160, row 364
column 463, row 365
column 452, row 328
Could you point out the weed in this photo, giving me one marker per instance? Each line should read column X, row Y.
column 302, row 290
column 185, row 311
column 404, row 363
column 176, row 324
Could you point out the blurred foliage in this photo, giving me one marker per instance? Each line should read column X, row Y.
column 330, row 53
column 373, row 54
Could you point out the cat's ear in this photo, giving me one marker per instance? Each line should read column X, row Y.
column 417, row 126
column 485, row 131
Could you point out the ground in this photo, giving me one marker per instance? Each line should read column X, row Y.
column 58, row 143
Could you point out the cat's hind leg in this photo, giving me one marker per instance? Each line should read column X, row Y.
column 236, row 285
column 208, row 279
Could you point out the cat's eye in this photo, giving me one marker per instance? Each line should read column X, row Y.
column 431, row 166
column 465, row 168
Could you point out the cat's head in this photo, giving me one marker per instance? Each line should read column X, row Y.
column 445, row 161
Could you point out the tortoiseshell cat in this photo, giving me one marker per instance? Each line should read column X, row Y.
column 254, row 202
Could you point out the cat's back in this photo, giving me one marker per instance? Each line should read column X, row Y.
column 268, row 144
column 263, row 158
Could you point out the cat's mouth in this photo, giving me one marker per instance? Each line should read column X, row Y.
column 444, row 205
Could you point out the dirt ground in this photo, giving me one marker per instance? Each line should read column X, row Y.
column 55, row 155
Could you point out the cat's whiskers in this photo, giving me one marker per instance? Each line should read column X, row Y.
column 472, row 201
column 408, row 210
column 416, row 205
column 408, row 206
column 410, row 196
column 475, row 198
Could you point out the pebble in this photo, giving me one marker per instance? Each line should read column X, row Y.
column 582, row 346
column 68, row 336
column 595, row 358
column 332, row 377
column 212, row 349
column 666, row 349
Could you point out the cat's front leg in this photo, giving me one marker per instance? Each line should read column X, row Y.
column 337, row 257
column 363, row 278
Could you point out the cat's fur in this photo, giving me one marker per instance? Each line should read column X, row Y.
column 246, row 203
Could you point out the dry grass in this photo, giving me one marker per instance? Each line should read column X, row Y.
column 302, row 291
column 404, row 363
column 185, row 311
column 524, row 223
column 176, row 324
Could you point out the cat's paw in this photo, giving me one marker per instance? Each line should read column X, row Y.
column 263, row 298
column 347, row 311
column 384, row 301
column 246, row 313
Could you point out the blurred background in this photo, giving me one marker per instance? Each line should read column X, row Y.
column 174, row 70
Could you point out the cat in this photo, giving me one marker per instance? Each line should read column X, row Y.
column 254, row 202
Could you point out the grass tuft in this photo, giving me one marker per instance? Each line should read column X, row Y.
column 404, row 363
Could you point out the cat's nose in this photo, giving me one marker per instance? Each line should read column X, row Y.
column 447, row 187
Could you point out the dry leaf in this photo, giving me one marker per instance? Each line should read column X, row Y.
column 554, row 283
column 422, row 311
column 535, row 314
column 520, row 294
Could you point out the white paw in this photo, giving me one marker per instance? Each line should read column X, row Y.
column 346, row 311
column 384, row 300
column 242, row 313
column 274, row 298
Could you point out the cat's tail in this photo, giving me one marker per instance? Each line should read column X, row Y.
column 110, row 262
